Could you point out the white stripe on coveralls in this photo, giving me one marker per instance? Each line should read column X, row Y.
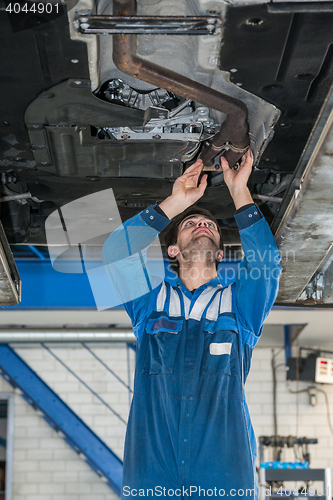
column 221, row 303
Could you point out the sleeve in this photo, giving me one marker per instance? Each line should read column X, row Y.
column 258, row 275
column 243, row 208
column 124, row 255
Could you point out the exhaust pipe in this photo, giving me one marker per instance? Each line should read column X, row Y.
column 233, row 136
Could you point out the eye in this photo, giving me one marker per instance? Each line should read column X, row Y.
column 189, row 223
column 211, row 224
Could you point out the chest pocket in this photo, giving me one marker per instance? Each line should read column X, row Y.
column 162, row 341
column 220, row 354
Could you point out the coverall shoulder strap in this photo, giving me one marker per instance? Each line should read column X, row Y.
column 211, row 310
column 169, row 301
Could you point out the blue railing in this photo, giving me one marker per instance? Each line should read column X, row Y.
column 62, row 419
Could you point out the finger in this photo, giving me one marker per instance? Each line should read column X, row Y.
column 193, row 171
column 195, row 166
column 249, row 154
column 190, row 174
column 249, row 157
column 191, row 182
column 197, row 162
column 203, row 184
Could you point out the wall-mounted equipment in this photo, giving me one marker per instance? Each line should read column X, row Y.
column 313, row 368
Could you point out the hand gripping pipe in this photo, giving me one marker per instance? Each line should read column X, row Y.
column 233, row 135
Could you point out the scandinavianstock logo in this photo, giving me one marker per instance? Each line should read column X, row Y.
column 75, row 235
column 77, row 231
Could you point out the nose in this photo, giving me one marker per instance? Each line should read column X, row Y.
column 202, row 223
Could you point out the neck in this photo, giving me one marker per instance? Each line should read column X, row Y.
column 197, row 274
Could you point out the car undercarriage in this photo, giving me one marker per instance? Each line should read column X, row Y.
column 91, row 102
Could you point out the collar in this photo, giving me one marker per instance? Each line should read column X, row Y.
column 177, row 282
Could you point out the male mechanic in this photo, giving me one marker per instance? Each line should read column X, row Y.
column 189, row 432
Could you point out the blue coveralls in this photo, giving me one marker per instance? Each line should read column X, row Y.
column 189, row 432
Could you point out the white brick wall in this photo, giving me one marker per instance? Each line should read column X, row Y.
column 295, row 416
column 46, row 468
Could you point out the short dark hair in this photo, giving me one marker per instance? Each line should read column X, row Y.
column 171, row 231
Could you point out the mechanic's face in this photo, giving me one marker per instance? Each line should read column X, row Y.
column 197, row 232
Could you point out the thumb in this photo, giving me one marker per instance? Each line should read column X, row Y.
column 224, row 163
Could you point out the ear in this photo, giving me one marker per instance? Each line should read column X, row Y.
column 173, row 251
column 219, row 255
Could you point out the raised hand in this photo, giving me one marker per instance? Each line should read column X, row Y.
column 186, row 187
column 185, row 191
column 236, row 180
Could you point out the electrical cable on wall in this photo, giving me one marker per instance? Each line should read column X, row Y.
column 274, row 404
column 308, row 389
column 274, row 368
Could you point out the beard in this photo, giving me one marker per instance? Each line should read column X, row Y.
column 202, row 249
